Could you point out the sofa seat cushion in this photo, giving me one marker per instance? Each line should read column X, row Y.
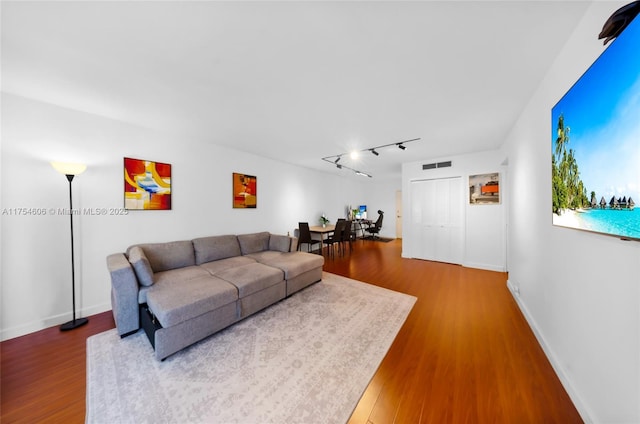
column 251, row 278
column 266, row 256
column 224, row 264
column 180, row 274
column 174, row 301
column 291, row 263
column 173, row 276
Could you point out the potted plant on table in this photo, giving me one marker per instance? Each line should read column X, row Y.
column 323, row 220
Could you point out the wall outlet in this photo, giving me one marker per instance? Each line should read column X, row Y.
column 515, row 287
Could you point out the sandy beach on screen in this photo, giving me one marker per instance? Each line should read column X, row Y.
column 568, row 218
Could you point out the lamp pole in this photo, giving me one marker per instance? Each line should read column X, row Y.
column 70, row 170
column 75, row 323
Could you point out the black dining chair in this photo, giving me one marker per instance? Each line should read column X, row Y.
column 305, row 237
column 374, row 230
column 348, row 235
column 336, row 238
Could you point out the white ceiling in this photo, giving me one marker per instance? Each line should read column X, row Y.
column 294, row 81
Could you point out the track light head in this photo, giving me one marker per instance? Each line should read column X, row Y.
column 337, row 159
column 401, row 146
column 374, row 152
column 339, row 166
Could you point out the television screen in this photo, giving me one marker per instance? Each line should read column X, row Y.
column 596, row 144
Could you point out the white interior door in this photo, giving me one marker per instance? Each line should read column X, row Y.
column 398, row 214
column 436, row 219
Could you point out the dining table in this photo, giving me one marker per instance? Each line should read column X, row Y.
column 322, row 230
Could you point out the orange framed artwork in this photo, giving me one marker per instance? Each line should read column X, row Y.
column 484, row 189
column 245, row 191
column 147, row 185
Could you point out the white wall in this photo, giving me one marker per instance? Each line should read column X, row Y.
column 578, row 290
column 36, row 261
column 382, row 196
column 484, row 225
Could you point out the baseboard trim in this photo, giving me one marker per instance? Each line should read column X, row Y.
column 585, row 412
column 52, row 321
column 487, row 267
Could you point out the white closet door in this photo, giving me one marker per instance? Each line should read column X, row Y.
column 436, row 219
column 423, row 218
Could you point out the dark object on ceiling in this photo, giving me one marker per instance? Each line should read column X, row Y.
column 619, row 21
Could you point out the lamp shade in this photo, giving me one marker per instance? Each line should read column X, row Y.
column 67, row 168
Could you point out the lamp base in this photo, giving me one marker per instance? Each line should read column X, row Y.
column 73, row 324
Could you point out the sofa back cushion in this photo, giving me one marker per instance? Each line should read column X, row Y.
column 279, row 243
column 166, row 256
column 253, row 243
column 214, row 248
column 141, row 266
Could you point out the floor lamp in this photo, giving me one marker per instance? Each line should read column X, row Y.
column 71, row 170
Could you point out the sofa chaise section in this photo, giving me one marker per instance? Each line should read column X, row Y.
column 299, row 270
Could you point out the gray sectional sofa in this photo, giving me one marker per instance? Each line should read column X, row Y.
column 183, row 291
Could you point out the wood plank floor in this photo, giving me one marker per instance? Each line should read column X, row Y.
column 464, row 355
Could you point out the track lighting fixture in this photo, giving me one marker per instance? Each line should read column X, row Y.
column 364, row 174
column 354, row 155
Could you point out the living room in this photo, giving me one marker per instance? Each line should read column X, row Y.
column 587, row 323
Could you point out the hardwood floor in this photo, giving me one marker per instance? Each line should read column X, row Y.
column 464, row 355
column 43, row 374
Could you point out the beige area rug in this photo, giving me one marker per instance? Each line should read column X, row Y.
column 307, row 359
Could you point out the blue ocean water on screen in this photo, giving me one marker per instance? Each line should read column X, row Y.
column 624, row 223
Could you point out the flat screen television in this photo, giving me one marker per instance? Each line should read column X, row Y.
column 595, row 141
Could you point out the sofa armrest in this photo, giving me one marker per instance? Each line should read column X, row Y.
column 124, row 294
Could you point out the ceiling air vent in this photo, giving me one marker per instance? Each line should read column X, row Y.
column 446, row 164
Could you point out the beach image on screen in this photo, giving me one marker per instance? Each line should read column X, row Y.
column 595, row 155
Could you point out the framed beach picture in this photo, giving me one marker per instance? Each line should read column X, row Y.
column 484, row 189
column 595, row 144
column 245, row 191
column 147, row 185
